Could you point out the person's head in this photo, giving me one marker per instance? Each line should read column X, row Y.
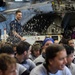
column 46, row 43
column 7, row 49
column 56, row 57
column 70, row 54
column 56, row 41
column 70, row 42
column 63, row 41
column 35, row 50
column 18, row 15
column 23, row 48
column 14, row 47
column 7, row 65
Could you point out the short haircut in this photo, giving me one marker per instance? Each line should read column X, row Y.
column 7, row 49
column 18, row 11
column 52, row 50
column 22, row 46
column 35, row 47
column 69, row 49
column 6, row 61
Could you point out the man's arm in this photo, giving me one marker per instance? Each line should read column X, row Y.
column 16, row 34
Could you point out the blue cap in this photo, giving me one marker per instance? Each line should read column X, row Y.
column 47, row 39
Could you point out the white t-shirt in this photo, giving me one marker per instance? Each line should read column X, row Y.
column 29, row 64
column 20, row 69
column 72, row 68
column 40, row 70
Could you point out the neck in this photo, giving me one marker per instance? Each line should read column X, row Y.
column 44, row 55
column 17, row 19
column 68, row 65
column 43, row 50
column 19, row 58
column 52, row 69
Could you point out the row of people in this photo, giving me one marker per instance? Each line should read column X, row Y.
column 53, row 59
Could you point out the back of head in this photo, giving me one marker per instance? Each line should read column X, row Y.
column 52, row 50
column 21, row 47
column 6, row 61
column 7, row 49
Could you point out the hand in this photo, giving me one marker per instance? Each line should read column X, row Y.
column 22, row 39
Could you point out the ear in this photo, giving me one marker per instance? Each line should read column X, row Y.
column 50, row 62
column 1, row 72
column 25, row 53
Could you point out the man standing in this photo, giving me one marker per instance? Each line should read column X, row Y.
column 16, row 27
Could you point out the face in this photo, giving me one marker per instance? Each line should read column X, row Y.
column 47, row 44
column 19, row 16
column 56, row 41
column 27, row 53
column 10, row 71
column 14, row 48
column 71, row 43
column 70, row 58
column 59, row 61
column 36, row 53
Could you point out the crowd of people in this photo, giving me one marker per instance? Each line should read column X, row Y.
column 52, row 57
